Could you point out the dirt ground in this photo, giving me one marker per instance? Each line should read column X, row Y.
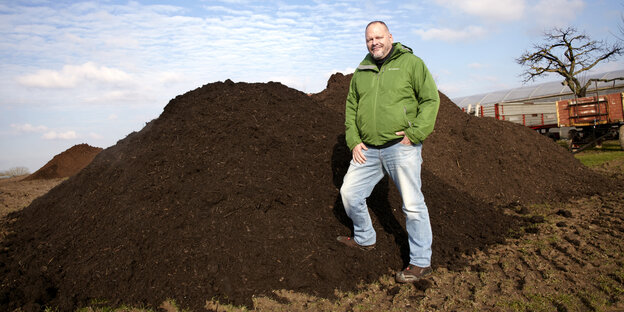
column 571, row 258
column 232, row 193
column 15, row 193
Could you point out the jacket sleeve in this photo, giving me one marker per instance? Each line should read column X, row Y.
column 352, row 134
column 426, row 93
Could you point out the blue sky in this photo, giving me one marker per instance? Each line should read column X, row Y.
column 91, row 72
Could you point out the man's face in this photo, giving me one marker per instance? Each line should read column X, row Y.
column 378, row 41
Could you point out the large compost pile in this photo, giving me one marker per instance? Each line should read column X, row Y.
column 67, row 163
column 233, row 192
column 496, row 162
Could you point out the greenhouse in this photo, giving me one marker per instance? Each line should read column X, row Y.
column 544, row 92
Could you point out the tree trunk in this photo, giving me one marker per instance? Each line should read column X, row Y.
column 582, row 92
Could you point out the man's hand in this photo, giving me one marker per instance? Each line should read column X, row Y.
column 358, row 155
column 405, row 140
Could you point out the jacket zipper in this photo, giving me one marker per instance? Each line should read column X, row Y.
column 379, row 72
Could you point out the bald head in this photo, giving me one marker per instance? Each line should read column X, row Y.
column 377, row 22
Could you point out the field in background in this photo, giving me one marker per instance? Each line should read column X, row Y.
column 610, row 151
column 16, row 194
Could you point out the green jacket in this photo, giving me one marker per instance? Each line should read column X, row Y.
column 401, row 96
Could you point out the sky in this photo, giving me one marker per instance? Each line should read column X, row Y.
column 92, row 72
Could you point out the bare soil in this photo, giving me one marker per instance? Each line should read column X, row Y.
column 17, row 193
column 572, row 260
column 232, row 194
column 67, row 163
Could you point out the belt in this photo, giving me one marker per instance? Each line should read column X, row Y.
column 387, row 144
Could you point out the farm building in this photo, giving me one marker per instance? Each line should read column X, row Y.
column 543, row 92
column 553, row 110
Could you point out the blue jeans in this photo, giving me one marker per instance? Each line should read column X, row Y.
column 402, row 163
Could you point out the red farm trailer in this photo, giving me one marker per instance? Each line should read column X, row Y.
column 541, row 116
column 594, row 118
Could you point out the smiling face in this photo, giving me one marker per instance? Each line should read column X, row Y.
column 378, row 40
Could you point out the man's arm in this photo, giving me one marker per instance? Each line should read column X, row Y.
column 428, row 98
column 352, row 134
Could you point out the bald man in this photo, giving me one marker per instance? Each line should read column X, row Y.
column 391, row 108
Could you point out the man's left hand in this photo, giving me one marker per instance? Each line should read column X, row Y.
column 405, row 140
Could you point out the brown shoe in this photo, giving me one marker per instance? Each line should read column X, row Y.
column 349, row 241
column 412, row 274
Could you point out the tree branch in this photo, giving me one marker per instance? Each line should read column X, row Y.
column 563, row 52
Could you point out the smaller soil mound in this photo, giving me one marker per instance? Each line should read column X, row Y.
column 67, row 163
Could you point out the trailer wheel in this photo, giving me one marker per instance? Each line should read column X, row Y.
column 621, row 134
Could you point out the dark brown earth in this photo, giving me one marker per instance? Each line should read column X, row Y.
column 497, row 162
column 572, row 260
column 233, row 192
column 67, row 163
column 335, row 94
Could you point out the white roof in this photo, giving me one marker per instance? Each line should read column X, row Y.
column 541, row 92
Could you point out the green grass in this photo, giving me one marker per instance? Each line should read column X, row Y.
column 594, row 156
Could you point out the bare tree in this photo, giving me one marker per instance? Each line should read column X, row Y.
column 15, row 171
column 568, row 53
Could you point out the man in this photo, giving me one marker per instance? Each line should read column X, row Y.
column 390, row 109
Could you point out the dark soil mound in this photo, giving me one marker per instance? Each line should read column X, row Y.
column 496, row 162
column 503, row 162
column 67, row 163
column 335, row 94
column 233, row 192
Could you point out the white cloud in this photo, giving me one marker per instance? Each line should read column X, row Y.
column 113, row 96
column 153, row 47
column 226, row 10
column 451, row 35
column 27, row 128
column 492, row 10
column 476, row 66
column 53, row 135
column 170, row 77
column 235, row 1
column 413, row 7
column 112, row 117
column 71, row 76
column 556, row 13
column 95, row 136
column 49, row 134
